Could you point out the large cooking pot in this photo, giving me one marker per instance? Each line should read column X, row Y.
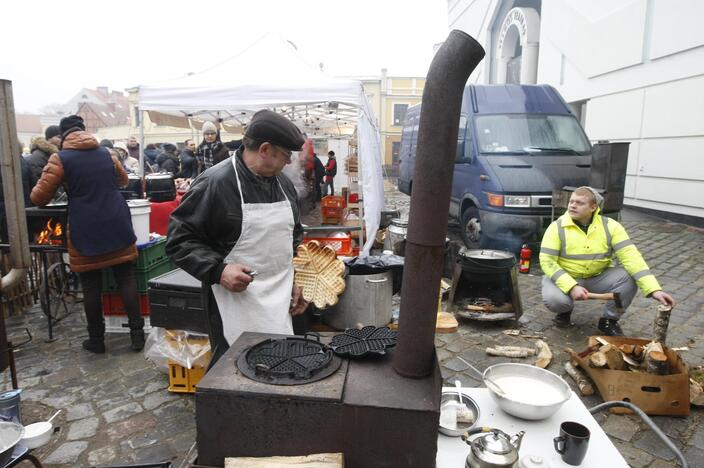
column 10, row 435
column 134, row 187
column 160, row 187
column 486, row 260
column 525, row 391
column 366, row 301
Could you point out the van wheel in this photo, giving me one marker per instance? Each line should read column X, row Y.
column 471, row 227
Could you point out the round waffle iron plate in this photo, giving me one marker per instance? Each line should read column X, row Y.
column 367, row 341
column 288, row 361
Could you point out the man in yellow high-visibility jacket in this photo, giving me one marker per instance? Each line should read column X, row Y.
column 576, row 257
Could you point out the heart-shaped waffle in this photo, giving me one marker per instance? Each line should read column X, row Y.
column 319, row 273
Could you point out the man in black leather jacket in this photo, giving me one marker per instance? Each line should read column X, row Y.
column 208, row 223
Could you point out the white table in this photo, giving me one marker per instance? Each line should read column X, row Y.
column 452, row 451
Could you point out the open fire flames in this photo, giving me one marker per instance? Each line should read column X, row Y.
column 51, row 234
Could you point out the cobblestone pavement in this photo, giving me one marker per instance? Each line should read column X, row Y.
column 117, row 408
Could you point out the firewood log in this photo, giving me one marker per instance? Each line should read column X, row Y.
column 544, row 354
column 585, row 387
column 662, row 321
column 614, row 358
column 597, row 360
column 656, row 363
column 510, row 351
column 627, row 348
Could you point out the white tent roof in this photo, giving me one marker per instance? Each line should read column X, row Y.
column 270, row 73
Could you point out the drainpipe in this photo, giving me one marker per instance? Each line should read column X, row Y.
column 430, row 200
column 11, row 171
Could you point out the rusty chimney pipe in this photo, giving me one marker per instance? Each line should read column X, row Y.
column 430, row 200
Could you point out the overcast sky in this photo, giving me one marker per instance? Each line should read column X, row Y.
column 51, row 49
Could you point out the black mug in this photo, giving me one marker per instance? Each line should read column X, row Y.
column 572, row 443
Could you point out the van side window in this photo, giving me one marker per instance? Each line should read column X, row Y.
column 464, row 142
column 414, row 136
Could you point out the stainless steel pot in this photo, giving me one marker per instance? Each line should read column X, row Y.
column 366, row 301
column 520, row 385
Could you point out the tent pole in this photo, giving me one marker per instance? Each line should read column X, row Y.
column 141, row 144
column 360, row 202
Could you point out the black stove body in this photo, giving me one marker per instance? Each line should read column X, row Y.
column 363, row 409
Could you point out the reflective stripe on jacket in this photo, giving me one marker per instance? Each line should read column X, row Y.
column 567, row 252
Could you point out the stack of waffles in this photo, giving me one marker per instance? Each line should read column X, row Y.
column 319, row 273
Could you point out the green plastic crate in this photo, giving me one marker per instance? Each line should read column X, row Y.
column 151, row 253
column 141, row 275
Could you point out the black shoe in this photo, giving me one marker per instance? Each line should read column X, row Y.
column 137, row 337
column 563, row 320
column 94, row 345
column 610, row 327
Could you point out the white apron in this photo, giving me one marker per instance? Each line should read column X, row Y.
column 265, row 245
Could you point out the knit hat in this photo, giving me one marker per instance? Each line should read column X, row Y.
column 72, row 122
column 52, row 131
column 106, row 143
column 597, row 196
column 209, row 127
column 276, row 129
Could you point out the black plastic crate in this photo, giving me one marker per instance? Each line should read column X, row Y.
column 175, row 302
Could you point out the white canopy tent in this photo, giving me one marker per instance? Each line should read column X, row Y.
column 271, row 74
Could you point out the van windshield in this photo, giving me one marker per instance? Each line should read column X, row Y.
column 530, row 133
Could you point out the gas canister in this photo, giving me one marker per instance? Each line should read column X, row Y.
column 524, row 264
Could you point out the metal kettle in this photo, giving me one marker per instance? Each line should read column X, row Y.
column 496, row 449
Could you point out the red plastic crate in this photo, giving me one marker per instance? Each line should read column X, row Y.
column 112, row 304
column 333, row 201
column 330, row 212
column 341, row 245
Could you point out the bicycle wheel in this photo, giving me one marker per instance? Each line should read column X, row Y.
column 55, row 289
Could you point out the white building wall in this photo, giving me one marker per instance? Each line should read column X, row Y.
column 639, row 65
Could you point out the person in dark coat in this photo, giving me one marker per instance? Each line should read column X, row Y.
column 150, row 154
column 189, row 163
column 211, row 150
column 41, row 149
column 168, row 160
column 100, row 233
column 319, row 171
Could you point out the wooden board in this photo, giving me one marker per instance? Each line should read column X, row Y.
column 320, row 460
column 446, row 323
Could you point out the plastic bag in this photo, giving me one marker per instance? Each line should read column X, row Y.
column 181, row 347
column 372, row 264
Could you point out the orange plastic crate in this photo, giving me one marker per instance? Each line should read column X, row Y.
column 112, row 304
column 182, row 380
column 330, row 212
column 341, row 245
column 333, row 201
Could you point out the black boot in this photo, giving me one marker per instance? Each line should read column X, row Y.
column 610, row 327
column 563, row 320
column 137, row 337
column 94, row 345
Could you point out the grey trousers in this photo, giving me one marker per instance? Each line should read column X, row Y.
column 614, row 279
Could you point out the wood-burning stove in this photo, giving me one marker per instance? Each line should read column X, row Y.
column 485, row 286
column 363, row 409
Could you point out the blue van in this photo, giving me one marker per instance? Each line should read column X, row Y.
column 516, row 143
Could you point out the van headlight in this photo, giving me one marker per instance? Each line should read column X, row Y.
column 517, row 201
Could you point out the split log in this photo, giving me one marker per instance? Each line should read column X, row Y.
column 597, row 360
column 638, row 352
column 662, row 321
column 490, row 308
column 614, row 358
column 585, row 387
column 656, row 363
column 627, row 348
column 544, row 354
column 510, row 351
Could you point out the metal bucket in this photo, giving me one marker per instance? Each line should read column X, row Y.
column 10, row 406
column 366, row 301
column 397, row 235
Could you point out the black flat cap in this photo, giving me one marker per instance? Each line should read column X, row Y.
column 276, row 129
column 52, row 131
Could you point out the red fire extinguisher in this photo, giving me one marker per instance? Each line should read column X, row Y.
column 524, row 264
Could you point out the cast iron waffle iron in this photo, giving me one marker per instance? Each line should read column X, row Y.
column 288, row 361
column 363, row 342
